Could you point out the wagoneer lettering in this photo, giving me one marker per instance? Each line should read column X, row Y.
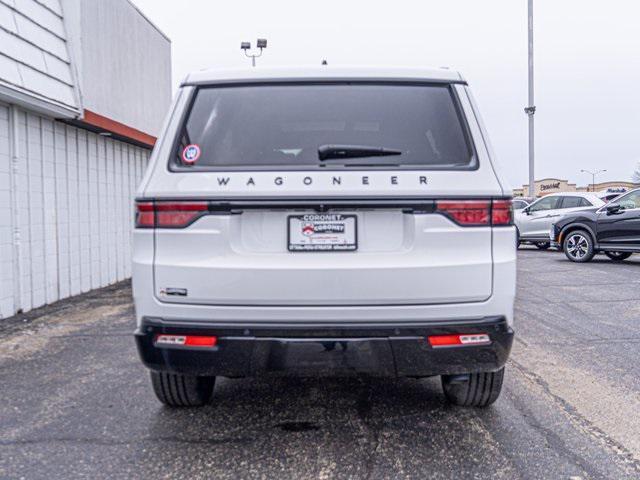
column 358, row 206
column 417, row 180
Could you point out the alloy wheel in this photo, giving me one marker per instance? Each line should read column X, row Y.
column 577, row 246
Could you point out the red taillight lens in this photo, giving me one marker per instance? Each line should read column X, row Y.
column 198, row 341
column 466, row 212
column 464, row 339
column 145, row 215
column 169, row 214
column 444, row 340
column 187, row 340
column 179, row 215
column 502, row 212
column 476, row 213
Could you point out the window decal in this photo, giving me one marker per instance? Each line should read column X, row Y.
column 191, row 154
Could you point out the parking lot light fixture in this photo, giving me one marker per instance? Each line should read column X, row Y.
column 593, row 177
column 261, row 44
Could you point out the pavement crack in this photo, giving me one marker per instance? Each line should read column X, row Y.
column 618, row 449
column 364, row 408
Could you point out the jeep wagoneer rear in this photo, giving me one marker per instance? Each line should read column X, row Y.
column 324, row 221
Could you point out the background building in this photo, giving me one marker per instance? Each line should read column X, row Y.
column 555, row 185
column 84, row 86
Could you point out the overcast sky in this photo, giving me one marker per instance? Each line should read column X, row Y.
column 587, row 62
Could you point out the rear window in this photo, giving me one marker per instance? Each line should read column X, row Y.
column 283, row 126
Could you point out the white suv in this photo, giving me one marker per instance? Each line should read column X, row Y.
column 324, row 221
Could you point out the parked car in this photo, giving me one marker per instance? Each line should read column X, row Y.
column 534, row 221
column 611, row 194
column 521, row 202
column 613, row 230
column 324, row 221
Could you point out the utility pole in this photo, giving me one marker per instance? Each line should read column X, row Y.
column 530, row 110
column 593, row 177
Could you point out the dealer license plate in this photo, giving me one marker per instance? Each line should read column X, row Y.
column 322, row 232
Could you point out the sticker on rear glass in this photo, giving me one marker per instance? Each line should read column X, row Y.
column 191, row 154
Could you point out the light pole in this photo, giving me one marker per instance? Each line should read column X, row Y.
column 261, row 44
column 593, row 177
column 530, row 110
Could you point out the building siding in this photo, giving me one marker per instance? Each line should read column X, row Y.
column 34, row 55
column 66, row 209
column 123, row 62
column 6, row 244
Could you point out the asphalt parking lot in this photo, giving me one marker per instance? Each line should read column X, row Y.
column 76, row 402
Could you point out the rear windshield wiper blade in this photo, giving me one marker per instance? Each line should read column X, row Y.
column 365, row 164
column 342, row 152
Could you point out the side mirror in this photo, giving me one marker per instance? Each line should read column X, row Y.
column 613, row 208
column 526, row 210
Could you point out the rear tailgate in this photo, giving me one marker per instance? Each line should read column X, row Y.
column 240, row 255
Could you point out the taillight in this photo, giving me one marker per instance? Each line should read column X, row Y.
column 187, row 340
column 179, row 215
column 477, row 213
column 502, row 212
column 169, row 214
column 466, row 212
column 145, row 215
column 459, row 340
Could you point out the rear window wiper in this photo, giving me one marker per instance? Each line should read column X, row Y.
column 342, row 152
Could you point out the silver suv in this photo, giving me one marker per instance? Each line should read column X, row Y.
column 324, row 221
column 534, row 221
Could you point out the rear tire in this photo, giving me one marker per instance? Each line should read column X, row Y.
column 618, row 256
column 578, row 246
column 177, row 390
column 543, row 245
column 474, row 389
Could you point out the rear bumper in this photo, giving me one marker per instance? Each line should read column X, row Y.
column 388, row 350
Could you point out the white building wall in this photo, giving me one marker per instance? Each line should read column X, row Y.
column 66, row 209
column 6, row 245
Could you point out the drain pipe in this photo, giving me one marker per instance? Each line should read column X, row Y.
column 15, row 219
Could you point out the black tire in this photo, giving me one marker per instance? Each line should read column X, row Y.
column 578, row 246
column 618, row 256
column 474, row 389
column 543, row 245
column 517, row 238
column 182, row 390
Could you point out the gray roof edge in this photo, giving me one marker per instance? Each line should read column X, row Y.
column 322, row 73
column 30, row 100
column 142, row 14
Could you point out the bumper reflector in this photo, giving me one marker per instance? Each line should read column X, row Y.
column 187, row 340
column 453, row 340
